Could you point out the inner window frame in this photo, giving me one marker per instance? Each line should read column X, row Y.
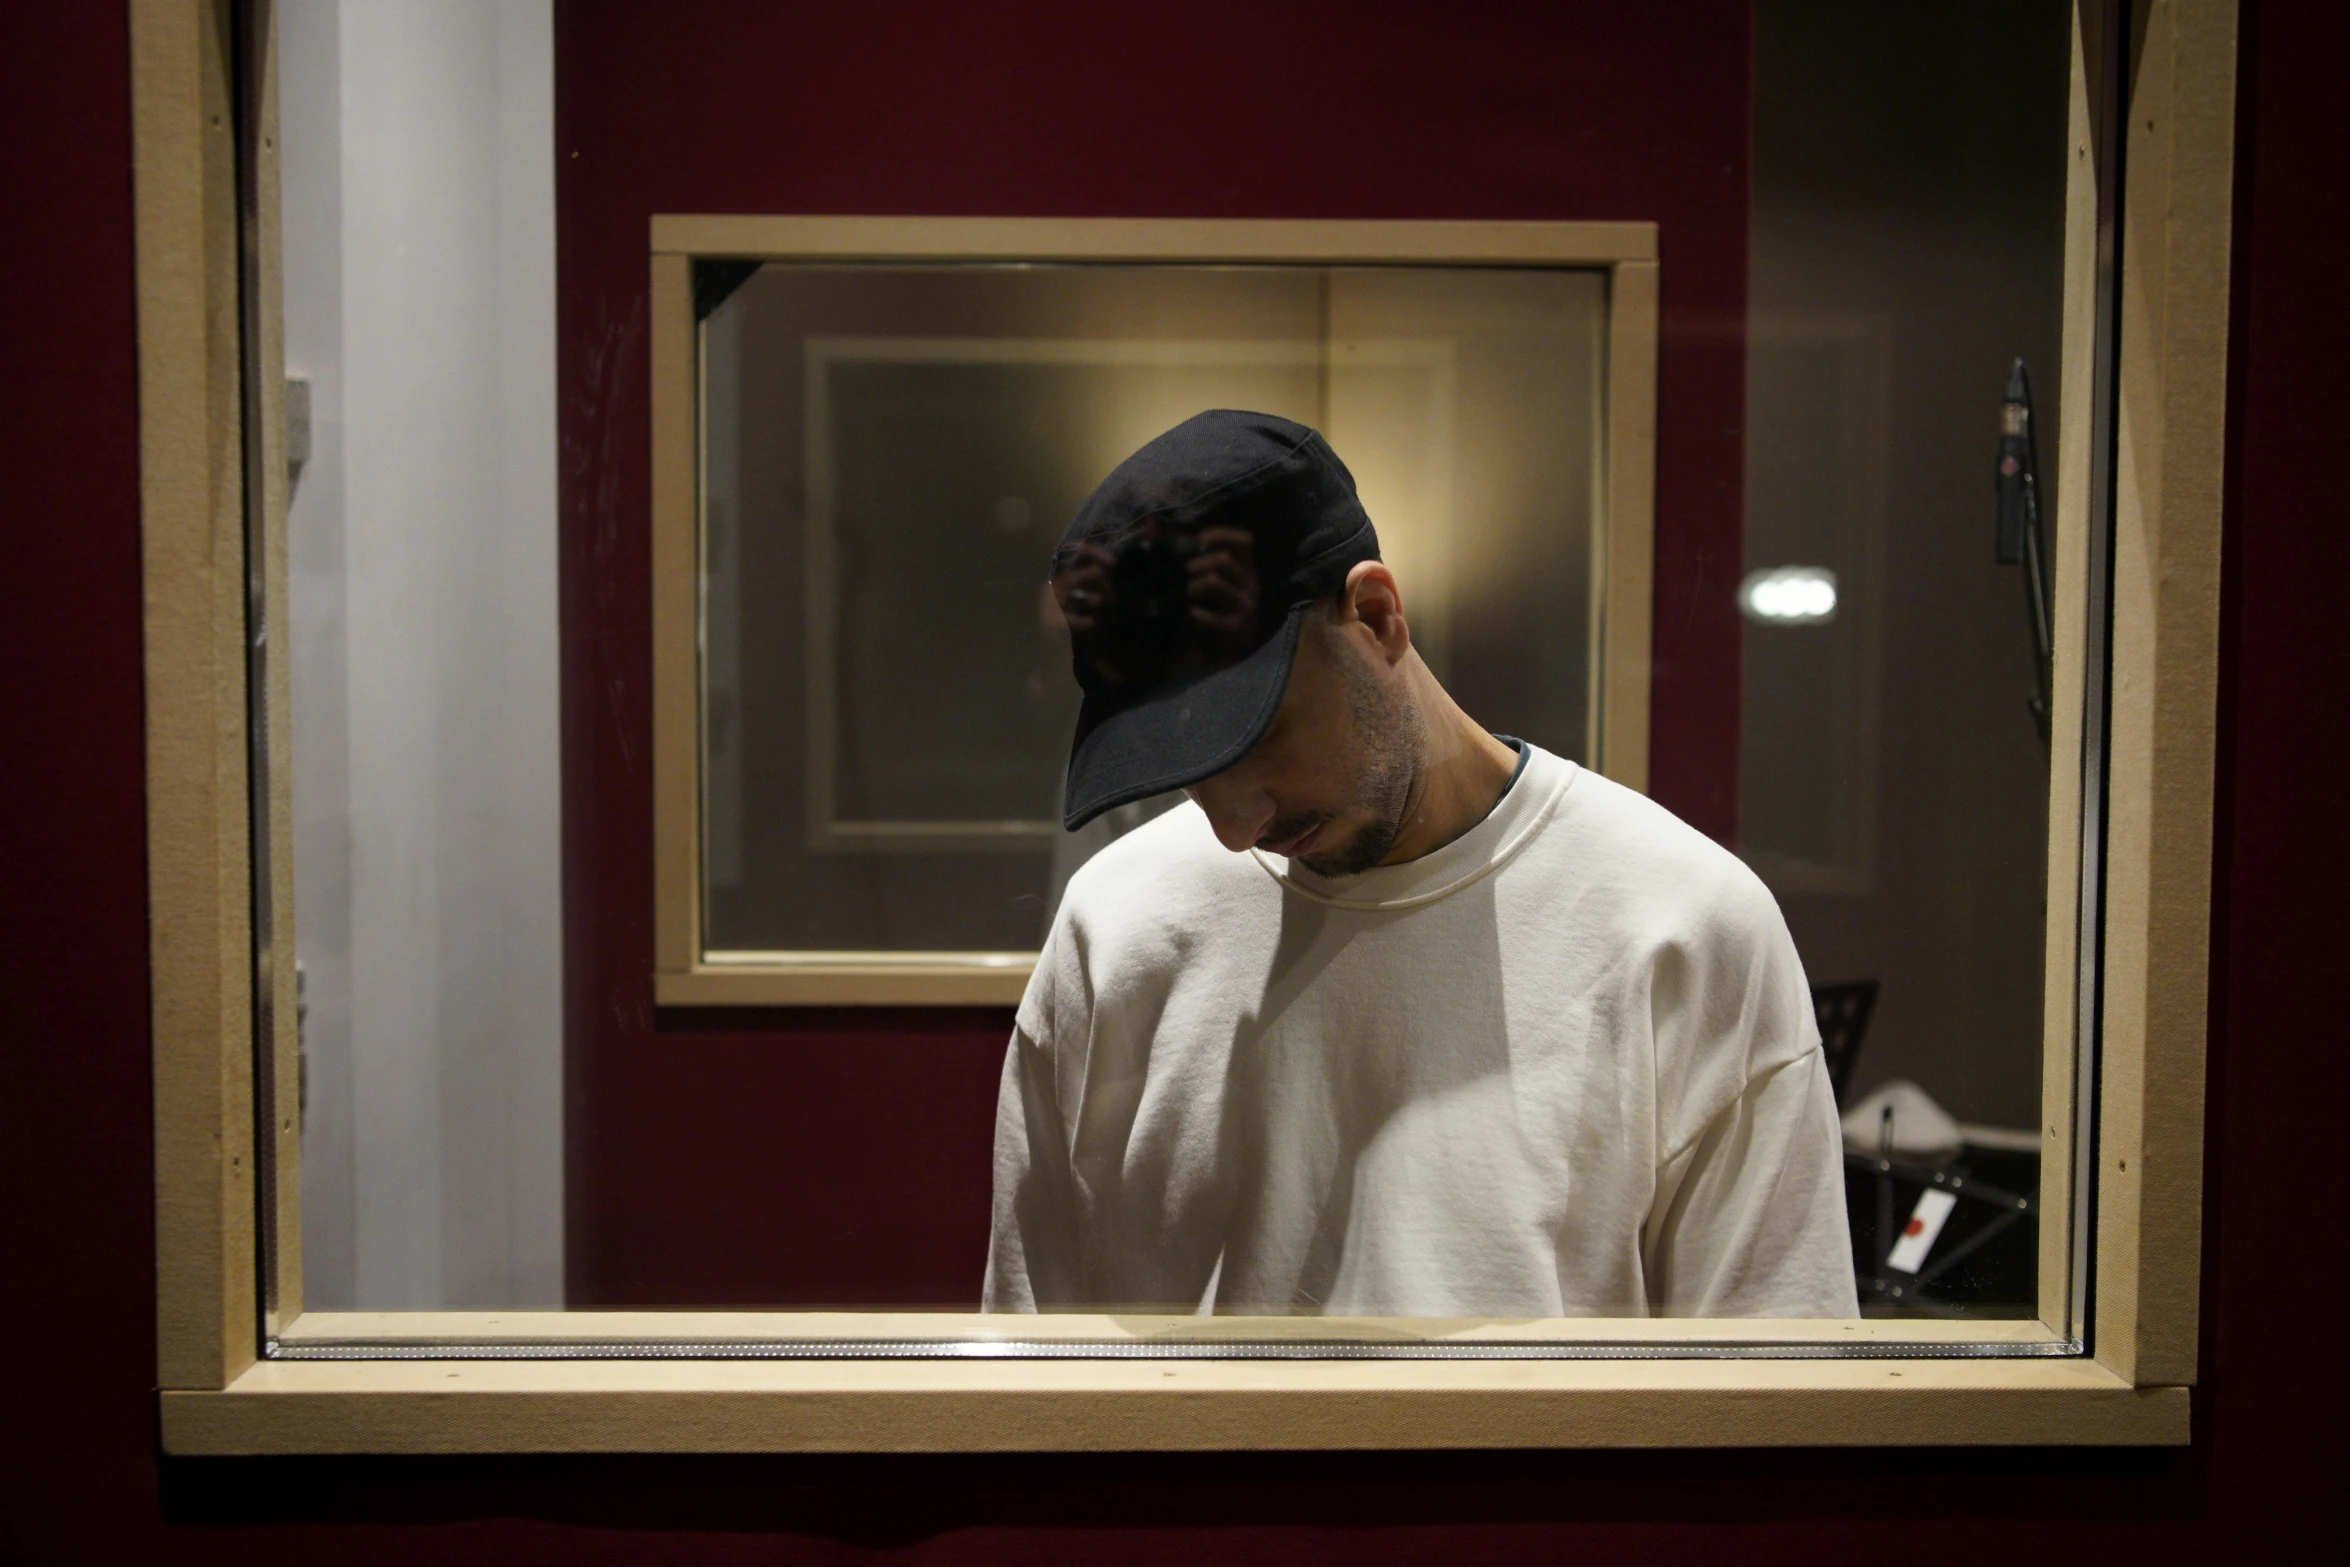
column 2110, row 1361
column 686, row 970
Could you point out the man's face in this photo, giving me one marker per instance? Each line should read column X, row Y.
column 1331, row 780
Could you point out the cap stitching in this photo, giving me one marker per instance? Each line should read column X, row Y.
column 1308, row 439
column 1239, row 478
column 1336, row 547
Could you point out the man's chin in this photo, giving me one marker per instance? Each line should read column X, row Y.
column 1353, row 857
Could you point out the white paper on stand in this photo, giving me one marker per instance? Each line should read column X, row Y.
column 1924, row 1228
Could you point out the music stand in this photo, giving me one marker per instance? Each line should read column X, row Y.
column 1843, row 1011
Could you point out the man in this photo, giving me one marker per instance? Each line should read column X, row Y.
column 1393, row 1017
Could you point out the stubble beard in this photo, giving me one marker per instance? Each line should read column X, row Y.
column 1388, row 736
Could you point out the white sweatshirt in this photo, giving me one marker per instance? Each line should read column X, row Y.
column 1566, row 1065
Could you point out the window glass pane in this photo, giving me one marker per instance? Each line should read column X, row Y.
column 1908, row 249
column 890, row 455
column 883, row 456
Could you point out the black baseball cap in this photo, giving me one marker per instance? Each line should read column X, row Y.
column 1184, row 580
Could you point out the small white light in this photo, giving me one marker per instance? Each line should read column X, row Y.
column 1789, row 596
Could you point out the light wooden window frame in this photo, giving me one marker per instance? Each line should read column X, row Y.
column 685, row 971
column 242, row 1368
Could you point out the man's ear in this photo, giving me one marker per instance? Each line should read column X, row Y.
column 1372, row 599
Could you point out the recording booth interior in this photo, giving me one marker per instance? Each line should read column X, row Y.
column 556, row 673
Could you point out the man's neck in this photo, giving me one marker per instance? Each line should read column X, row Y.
column 1463, row 771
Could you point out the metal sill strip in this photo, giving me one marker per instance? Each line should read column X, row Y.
column 1031, row 1349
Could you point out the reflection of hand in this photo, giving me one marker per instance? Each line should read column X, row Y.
column 1220, row 581
column 1082, row 587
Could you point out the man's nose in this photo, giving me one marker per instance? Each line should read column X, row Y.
column 1239, row 817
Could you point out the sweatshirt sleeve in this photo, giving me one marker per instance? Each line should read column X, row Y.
column 1034, row 1258
column 1747, row 1217
column 1032, row 1248
column 1750, row 1218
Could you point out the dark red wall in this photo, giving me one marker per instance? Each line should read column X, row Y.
column 798, row 1158
column 82, row 1483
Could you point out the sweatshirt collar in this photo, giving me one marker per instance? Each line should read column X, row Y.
column 1474, row 854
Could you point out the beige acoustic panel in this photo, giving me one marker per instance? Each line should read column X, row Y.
column 2166, row 567
column 192, row 545
column 916, row 979
column 2069, row 532
column 1127, row 1405
column 1628, row 537
column 268, row 472
column 411, row 1330
column 1170, row 240
column 677, row 617
column 217, row 1400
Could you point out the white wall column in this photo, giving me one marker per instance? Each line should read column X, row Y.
column 420, row 303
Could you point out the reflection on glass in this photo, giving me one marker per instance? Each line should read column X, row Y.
column 890, row 454
column 1908, row 247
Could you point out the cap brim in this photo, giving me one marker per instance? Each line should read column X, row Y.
column 1176, row 737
